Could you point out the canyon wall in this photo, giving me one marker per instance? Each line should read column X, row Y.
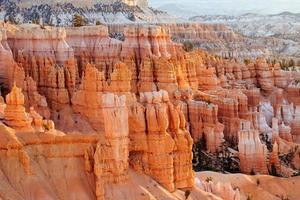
column 138, row 104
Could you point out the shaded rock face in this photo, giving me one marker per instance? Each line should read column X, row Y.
column 215, row 38
column 136, row 104
column 6, row 59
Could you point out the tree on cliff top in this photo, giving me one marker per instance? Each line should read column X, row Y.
column 78, row 20
column 188, row 46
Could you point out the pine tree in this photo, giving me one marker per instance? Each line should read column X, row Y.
column 98, row 23
column 291, row 63
column 78, row 20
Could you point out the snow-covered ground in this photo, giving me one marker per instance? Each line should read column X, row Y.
column 256, row 25
column 279, row 32
column 225, row 7
column 61, row 14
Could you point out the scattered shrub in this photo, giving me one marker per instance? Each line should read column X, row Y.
column 257, row 182
column 98, row 23
column 249, row 197
column 35, row 21
column 187, row 193
column 209, row 179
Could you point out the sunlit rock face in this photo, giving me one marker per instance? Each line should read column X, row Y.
column 14, row 113
column 252, row 152
column 108, row 113
column 204, row 124
column 166, row 155
column 6, row 59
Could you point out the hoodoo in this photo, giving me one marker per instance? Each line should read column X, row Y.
column 111, row 100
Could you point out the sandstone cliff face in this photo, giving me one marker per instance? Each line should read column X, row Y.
column 104, row 159
column 7, row 62
column 14, row 113
column 224, row 191
column 295, row 125
column 92, row 45
column 40, row 43
column 293, row 92
column 34, row 99
column 150, row 42
column 87, row 99
column 166, row 155
column 111, row 157
column 232, row 109
column 265, row 78
column 204, row 123
column 211, row 37
column 252, row 152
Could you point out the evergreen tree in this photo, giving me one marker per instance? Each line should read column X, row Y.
column 78, row 20
column 291, row 63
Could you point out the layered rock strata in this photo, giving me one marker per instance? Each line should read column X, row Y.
column 111, row 157
column 14, row 114
column 252, row 152
column 205, row 124
column 166, row 155
column 178, row 92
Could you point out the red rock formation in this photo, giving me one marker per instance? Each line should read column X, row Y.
column 201, row 92
column 92, row 44
column 111, row 157
column 188, row 65
column 204, row 122
column 31, row 40
column 14, row 113
column 146, row 76
column 224, row 191
column 149, row 41
column 285, row 132
column 287, row 113
column 165, row 75
column 252, row 152
column 280, row 78
column 86, row 99
column 207, row 79
column 166, row 155
column 93, row 85
column 34, row 99
column 264, row 75
column 253, row 96
column 274, row 162
column 7, row 62
column 232, row 108
column 275, row 129
column 293, row 91
column 144, row 42
column 295, row 126
column 119, row 82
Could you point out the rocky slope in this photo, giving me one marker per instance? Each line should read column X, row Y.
column 217, row 39
column 61, row 13
column 119, row 119
column 256, row 187
column 279, row 32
